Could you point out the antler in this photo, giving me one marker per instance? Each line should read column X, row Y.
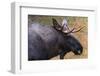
column 77, row 30
column 58, row 27
column 73, row 30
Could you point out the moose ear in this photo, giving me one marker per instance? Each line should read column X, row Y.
column 56, row 24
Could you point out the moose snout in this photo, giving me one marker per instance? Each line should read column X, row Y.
column 78, row 51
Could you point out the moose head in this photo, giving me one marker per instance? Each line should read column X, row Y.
column 73, row 44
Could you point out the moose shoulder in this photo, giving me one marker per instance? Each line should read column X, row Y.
column 45, row 42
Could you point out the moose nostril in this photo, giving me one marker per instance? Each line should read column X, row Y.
column 79, row 52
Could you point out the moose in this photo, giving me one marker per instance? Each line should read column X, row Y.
column 46, row 42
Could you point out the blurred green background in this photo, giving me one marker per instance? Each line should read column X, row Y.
column 73, row 21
